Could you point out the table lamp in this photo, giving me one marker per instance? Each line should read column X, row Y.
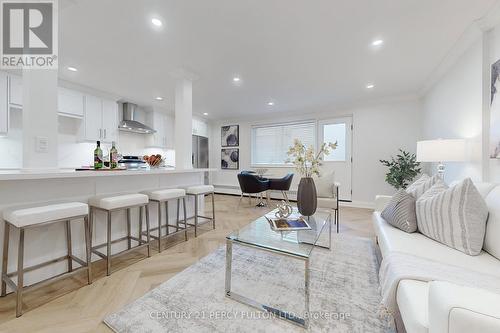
column 441, row 150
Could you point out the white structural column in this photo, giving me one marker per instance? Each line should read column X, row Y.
column 183, row 124
column 40, row 119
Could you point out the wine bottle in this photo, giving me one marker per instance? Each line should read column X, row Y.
column 113, row 156
column 98, row 156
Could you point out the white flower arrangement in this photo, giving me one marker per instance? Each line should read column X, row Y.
column 304, row 159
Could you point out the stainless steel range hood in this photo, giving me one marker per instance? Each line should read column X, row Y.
column 129, row 124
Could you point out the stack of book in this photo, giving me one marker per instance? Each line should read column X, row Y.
column 293, row 222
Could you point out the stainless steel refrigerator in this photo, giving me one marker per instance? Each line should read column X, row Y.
column 200, row 154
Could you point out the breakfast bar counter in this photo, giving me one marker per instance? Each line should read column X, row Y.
column 47, row 242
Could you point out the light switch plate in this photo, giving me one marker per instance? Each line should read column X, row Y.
column 42, row 144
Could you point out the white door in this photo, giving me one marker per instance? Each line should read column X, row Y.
column 340, row 160
column 109, row 120
column 93, row 118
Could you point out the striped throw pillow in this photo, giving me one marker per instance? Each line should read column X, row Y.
column 400, row 212
column 454, row 216
column 421, row 185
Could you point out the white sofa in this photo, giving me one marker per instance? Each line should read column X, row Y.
column 441, row 306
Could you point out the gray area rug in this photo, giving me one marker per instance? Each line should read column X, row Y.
column 344, row 293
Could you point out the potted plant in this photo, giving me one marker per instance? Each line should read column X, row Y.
column 402, row 169
column 307, row 163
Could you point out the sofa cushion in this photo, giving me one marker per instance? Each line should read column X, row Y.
column 393, row 239
column 400, row 212
column 492, row 236
column 421, row 185
column 455, row 216
column 412, row 297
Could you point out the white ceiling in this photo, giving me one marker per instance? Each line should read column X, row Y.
column 301, row 54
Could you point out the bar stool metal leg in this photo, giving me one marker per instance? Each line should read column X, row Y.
column 166, row 217
column 185, row 218
column 20, row 275
column 129, row 240
column 140, row 225
column 195, row 216
column 178, row 213
column 159, row 226
column 5, row 256
column 213, row 209
column 68, row 245
column 148, row 237
column 88, row 249
column 108, row 257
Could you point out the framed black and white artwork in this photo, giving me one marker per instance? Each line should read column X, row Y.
column 230, row 135
column 495, row 111
column 230, row 159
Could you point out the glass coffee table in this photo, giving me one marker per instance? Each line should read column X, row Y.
column 296, row 244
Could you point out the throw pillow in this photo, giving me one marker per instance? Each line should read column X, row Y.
column 325, row 185
column 400, row 212
column 421, row 185
column 455, row 216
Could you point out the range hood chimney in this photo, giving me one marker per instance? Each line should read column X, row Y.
column 129, row 124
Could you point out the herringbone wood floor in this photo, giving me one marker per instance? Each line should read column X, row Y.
column 70, row 305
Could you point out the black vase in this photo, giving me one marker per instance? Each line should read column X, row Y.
column 307, row 201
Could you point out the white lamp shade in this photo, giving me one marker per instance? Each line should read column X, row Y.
column 441, row 150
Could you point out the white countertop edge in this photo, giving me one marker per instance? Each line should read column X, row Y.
column 71, row 173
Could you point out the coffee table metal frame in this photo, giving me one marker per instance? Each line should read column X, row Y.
column 302, row 322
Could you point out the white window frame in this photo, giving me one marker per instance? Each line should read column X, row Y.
column 253, row 164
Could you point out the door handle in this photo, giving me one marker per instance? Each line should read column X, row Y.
column 100, row 133
column 105, row 133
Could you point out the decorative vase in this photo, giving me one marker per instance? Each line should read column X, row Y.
column 306, row 197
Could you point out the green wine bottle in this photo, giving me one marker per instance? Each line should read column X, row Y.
column 98, row 156
column 113, row 156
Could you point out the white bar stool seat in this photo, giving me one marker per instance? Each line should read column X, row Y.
column 118, row 201
column 30, row 217
column 112, row 203
column 24, row 217
column 164, row 196
column 197, row 191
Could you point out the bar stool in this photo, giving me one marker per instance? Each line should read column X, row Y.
column 196, row 191
column 164, row 196
column 113, row 203
column 30, row 217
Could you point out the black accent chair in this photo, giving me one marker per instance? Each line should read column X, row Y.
column 281, row 184
column 252, row 184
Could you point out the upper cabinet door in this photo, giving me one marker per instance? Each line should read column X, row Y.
column 200, row 127
column 4, row 104
column 93, row 118
column 15, row 91
column 109, row 120
column 70, row 103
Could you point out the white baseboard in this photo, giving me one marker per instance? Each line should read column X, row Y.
column 235, row 190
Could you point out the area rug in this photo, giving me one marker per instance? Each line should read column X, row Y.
column 344, row 294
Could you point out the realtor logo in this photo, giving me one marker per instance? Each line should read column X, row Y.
column 29, row 34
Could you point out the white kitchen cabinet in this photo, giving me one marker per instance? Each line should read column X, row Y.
column 15, row 91
column 70, row 103
column 200, row 127
column 101, row 119
column 109, row 120
column 4, row 104
column 170, row 132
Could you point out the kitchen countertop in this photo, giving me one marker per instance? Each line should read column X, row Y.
column 71, row 173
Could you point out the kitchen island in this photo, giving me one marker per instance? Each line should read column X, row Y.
column 18, row 187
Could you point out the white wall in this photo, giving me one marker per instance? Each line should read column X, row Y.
column 452, row 108
column 380, row 130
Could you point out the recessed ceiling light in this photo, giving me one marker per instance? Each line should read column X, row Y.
column 205, row 113
column 159, row 98
column 72, row 69
column 370, row 86
column 377, row 42
column 236, row 79
column 270, row 103
column 157, row 22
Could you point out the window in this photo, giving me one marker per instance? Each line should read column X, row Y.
column 270, row 143
column 335, row 133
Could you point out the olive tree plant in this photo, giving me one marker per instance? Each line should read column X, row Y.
column 402, row 169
